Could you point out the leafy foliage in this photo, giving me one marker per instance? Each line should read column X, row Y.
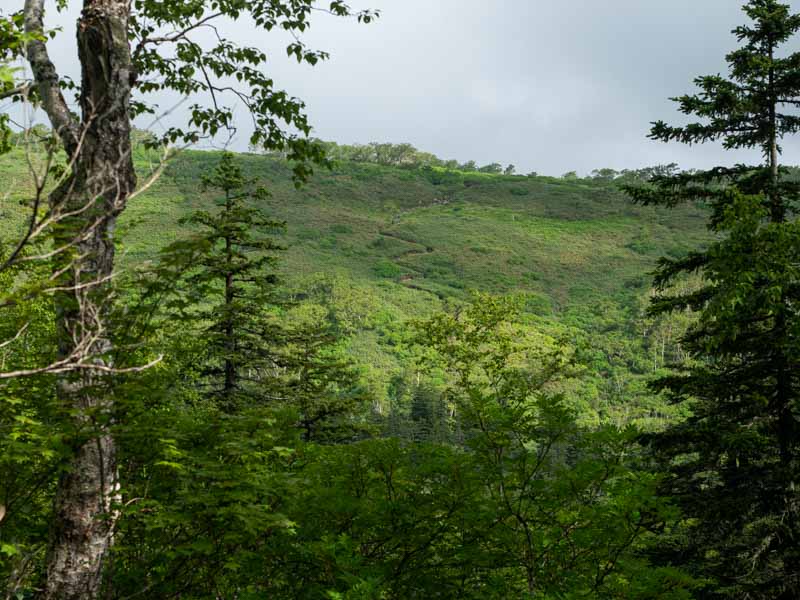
column 248, row 458
column 33, row 437
column 530, row 505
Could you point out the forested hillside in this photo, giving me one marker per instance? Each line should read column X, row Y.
column 320, row 371
column 382, row 245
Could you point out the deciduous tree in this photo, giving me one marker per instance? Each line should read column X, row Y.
column 128, row 50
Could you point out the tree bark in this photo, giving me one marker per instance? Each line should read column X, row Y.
column 91, row 199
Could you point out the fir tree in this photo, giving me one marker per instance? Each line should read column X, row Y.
column 251, row 351
column 733, row 465
column 322, row 385
column 224, row 276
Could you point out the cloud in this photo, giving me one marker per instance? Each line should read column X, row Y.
column 548, row 86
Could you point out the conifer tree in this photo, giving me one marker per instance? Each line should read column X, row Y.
column 224, row 276
column 733, row 465
column 322, row 385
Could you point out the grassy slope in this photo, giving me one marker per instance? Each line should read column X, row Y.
column 390, row 244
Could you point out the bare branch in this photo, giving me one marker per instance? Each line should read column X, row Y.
column 155, row 175
column 174, row 37
column 15, row 338
column 62, row 366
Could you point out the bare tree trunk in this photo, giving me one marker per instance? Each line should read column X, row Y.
column 91, row 199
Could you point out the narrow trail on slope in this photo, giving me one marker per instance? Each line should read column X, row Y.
column 412, row 273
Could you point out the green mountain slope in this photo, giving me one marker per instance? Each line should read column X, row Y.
column 382, row 245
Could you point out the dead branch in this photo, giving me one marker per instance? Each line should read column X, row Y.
column 63, row 366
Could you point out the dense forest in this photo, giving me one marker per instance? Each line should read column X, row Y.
column 318, row 370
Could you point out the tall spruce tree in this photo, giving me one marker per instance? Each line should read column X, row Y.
column 733, row 465
column 224, row 277
column 252, row 353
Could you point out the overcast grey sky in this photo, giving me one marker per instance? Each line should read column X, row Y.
column 547, row 85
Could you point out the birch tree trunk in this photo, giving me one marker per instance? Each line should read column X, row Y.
column 90, row 200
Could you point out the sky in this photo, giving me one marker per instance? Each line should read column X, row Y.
column 547, row 86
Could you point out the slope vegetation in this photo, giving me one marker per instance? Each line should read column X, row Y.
column 379, row 246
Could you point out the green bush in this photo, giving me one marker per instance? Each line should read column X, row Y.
column 387, row 269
